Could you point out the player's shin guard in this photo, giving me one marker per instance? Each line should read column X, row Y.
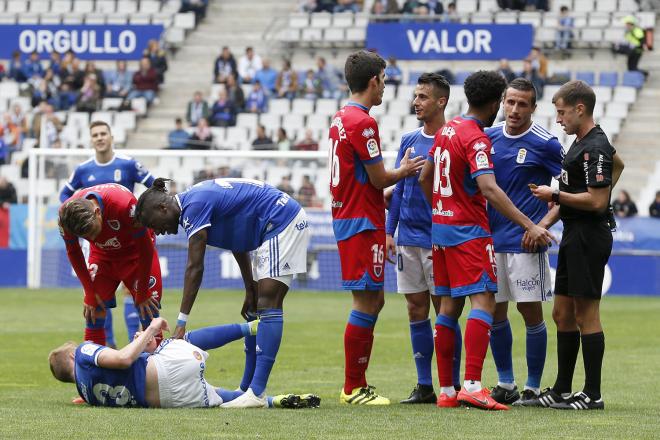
column 268, row 344
column 445, row 348
column 476, row 342
column 250, row 347
column 208, row 338
column 131, row 317
column 421, row 338
column 501, row 344
column 358, row 340
column 95, row 332
column 537, row 344
column 458, row 348
column 109, row 331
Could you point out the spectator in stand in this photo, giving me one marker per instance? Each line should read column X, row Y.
column 178, row 138
column 308, row 143
column 257, row 101
column 654, row 208
column 415, row 7
column 287, row 81
column 7, row 193
column 393, row 74
column 224, row 66
column 262, row 141
column 384, row 7
column 19, row 117
column 307, row 6
column 157, row 57
column 72, row 75
column 451, row 14
column 91, row 69
column 53, row 126
column 32, row 66
column 145, row 82
column 248, row 65
column 267, row 76
column 635, row 39
column 202, row 137
column 16, row 68
column 347, row 6
column 46, row 88
column 67, row 97
column 325, row 6
column 539, row 62
column 624, row 206
column 118, row 82
column 307, row 193
column 283, row 142
column 197, row 108
column 330, row 78
column 55, row 62
column 311, row 88
column 89, row 99
column 285, row 185
column 198, row 7
column 505, row 70
column 223, row 112
column 435, row 7
column 532, row 75
column 235, row 94
column 2, row 72
column 564, row 38
column 10, row 135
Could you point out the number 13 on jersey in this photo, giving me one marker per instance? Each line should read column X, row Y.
column 442, row 164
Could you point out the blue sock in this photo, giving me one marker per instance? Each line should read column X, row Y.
column 250, row 348
column 213, row 337
column 421, row 337
column 227, row 395
column 458, row 347
column 131, row 317
column 269, row 337
column 109, row 332
column 362, row 319
column 537, row 343
column 501, row 342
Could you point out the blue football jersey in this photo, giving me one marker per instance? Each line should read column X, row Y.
column 409, row 210
column 240, row 214
column 123, row 170
column 534, row 156
column 109, row 387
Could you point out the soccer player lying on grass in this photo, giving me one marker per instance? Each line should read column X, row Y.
column 121, row 251
column 145, row 374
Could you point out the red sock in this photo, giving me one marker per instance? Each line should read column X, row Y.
column 477, row 337
column 445, row 342
column 357, row 349
column 96, row 335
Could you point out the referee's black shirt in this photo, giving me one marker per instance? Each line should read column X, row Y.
column 588, row 163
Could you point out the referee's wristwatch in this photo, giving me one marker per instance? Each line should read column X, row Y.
column 555, row 196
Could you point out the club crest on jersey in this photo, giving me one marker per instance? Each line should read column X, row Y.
column 372, row 147
column 481, row 160
column 117, row 175
column 152, row 281
column 564, row 177
column 522, row 154
column 378, row 270
column 368, row 132
column 114, row 224
column 479, row 146
column 197, row 355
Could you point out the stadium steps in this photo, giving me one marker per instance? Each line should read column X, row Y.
column 233, row 23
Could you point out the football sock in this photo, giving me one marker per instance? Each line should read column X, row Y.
column 450, row 391
column 477, row 335
column 421, row 337
column 472, row 386
column 537, row 343
column 445, row 347
column 593, row 349
column 250, row 348
column 227, row 395
column 358, row 340
column 95, row 332
column 458, row 346
column 131, row 317
column 109, row 332
column 268, row 344
column 568, row 346
column 501, row 343
column 208, row 338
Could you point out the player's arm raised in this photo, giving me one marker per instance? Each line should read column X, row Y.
column 124, row 358
column 193, row 277
column 250, row 302
column 382, row 178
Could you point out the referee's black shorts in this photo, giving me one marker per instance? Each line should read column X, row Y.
column 583, row 253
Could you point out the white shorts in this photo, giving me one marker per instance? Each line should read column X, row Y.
column 523, row 277
column 181, row 382
column 414, row 270
column 284, row 254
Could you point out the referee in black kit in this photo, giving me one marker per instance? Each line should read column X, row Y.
column 590, row 169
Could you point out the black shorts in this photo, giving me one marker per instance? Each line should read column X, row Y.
column 583, row 253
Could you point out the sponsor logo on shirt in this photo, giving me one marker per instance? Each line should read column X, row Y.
column 117, row 175
column 564, row 177
column 112, row 243
column 337, row 204
column 372, row 147
column 302, row 225
column 368, row 132
column 439, row 211
column 522, row 154
column 529, row 284
column 114, row 224
column 479, row 146
column 448, row 131
column 91, row 178
column 481, row 160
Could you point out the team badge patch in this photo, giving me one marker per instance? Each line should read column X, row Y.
column 197, row 355
column 114, row 224
column 564, row 177
column 481, row 160
column 479, row 146
column 378, row 270
column 117, row 175
column 522, row 154
column 372, row 147
column 152, row 281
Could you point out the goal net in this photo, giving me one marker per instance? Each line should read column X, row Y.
column 48, row 169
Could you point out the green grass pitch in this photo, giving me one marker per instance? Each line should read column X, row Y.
column 33, row 405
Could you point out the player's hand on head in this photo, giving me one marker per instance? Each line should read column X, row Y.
column 390, row 248
column 159, row 324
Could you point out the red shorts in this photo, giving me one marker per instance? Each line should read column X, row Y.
column 465, row 269
column 362, row 258
column 107, row 274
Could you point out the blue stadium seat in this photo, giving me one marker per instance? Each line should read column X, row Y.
column 460, row 77
column 608, row 79
column 588, row 77
column 413, row 76
column 633, row 79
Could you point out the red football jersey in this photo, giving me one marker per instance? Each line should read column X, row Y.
column 460, row 153
column 357, row 205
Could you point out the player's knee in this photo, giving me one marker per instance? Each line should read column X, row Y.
column 532, row 313
column 418, row 308
column 563, row 318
